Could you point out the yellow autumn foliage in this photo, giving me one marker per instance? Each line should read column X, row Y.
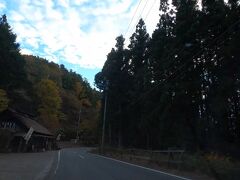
column 49, row 103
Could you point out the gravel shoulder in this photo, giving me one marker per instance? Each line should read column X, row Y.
column 26, row 166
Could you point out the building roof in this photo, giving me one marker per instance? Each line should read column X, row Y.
column 36, row 126
column 28, row 122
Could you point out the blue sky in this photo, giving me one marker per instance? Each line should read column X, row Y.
column 76, row 33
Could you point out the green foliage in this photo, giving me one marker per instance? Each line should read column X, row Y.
column 212, row 164
column 3, row 100
column 99, row 81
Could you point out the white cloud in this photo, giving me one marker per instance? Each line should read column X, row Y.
column 79, row 2
column 2, row 5
column 16, row 16
column 33, row 42
column 77, row 33
column 26, row 51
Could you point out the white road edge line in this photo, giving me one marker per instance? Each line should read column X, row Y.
column 80, row 156
column 59, row 156
column 154, row 170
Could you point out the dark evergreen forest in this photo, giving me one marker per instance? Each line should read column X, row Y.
column 180, row 87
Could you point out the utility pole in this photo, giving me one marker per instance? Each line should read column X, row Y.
column 104, row 116
column 79, row 117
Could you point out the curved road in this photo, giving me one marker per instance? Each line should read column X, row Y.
column 78, row 164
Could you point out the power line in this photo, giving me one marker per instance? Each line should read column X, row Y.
column 149, row 10
column 145, row 5
column 132, row 18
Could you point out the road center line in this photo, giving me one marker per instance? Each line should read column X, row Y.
column 80, row 156
column 59, row 156
column 154, row 170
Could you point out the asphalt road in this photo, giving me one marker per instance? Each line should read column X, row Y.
column 78, row 164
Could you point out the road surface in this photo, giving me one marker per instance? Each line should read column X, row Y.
column 78, row 164
column 26, row 166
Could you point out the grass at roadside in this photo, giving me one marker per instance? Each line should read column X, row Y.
column 214, row 165
column 194, row 166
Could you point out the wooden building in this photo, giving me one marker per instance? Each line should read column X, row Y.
column 24, row 133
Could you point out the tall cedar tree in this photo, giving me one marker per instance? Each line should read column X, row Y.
column 184, row 81
column 12, row 71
